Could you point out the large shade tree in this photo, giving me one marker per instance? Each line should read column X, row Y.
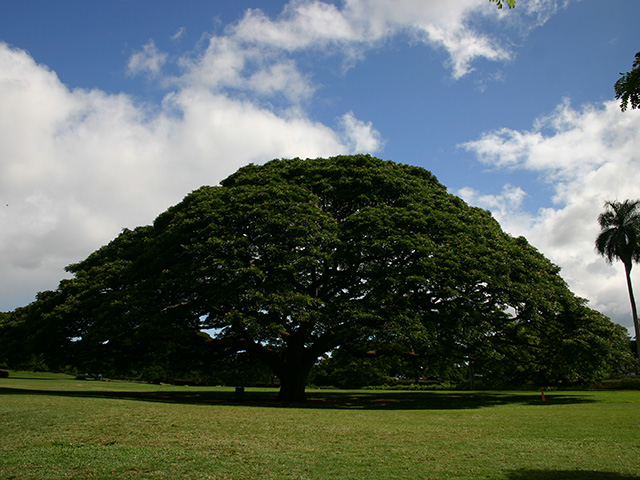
column 287, row 261
column 619, row 239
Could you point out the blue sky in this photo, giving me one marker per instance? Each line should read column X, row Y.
column 113, row 111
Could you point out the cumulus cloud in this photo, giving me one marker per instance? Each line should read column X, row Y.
column 259, row 51
column 78, row 166
column 502, row 205
column 359, row 135
column 149, row 60
column 586, row 156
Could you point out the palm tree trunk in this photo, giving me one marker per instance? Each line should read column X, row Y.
column 634, row 310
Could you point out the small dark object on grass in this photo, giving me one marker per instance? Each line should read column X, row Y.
column 90, row 376
column 4, row 374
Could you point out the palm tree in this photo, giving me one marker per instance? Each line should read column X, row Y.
column 619, row 238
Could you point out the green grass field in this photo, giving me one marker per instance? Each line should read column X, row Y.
column 53, row 427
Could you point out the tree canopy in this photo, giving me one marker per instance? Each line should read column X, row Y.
column 628, row 87
column 290, row 260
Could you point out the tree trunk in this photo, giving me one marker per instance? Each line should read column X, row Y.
column 295, row 365
column 293, row 380
column 634, row 310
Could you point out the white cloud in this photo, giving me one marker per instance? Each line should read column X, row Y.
column 360, row 136
column 301, row 25
column 76, row 166
column 258, row 52
column 149, row 60
column 540, row 11
column 504, row 204
column 580, row 139
column 464, row 46
column 180, row 33
column 587, row 156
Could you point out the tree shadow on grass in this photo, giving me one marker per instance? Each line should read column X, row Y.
column 568, row 475
column 374, row 400
column 399, row 400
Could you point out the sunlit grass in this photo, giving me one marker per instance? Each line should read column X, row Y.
column 55, row 427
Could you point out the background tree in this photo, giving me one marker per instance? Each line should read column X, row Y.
column 287, row 261
column 628, row 86
column 575, row 345
column 619, row 239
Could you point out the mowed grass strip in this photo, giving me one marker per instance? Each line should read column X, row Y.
column 54, row 427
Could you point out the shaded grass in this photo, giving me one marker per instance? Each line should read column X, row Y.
column 56, row 427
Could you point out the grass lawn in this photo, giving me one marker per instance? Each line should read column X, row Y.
column 53, row 427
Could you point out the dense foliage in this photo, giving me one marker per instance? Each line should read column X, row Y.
column 288, row 261
column 628, row 87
